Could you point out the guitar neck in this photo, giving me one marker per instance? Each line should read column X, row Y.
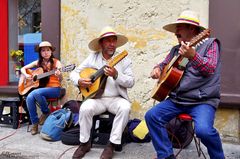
column 195, row 40
column 111, row 63
column 97, row 74
column 46, row 74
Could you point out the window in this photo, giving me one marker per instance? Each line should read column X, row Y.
column 38, row 20
column 27, row 34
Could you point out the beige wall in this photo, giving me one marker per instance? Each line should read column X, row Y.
column 141, row 21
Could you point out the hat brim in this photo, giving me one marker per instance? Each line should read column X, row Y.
column 37, row 48
column 172, row 26
column 94, row 44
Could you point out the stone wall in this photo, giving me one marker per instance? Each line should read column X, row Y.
column 141, row 21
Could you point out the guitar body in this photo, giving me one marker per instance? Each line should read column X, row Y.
column 167, row 83
column 39, row 78
column 89, row 91
column 97, row 76
column 173, row 71
column 25, row 85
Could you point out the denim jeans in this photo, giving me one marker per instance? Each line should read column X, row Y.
column 203, row 116
column 39, row 96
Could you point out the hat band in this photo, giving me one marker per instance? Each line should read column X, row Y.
column 108, row 34
column 187, row 20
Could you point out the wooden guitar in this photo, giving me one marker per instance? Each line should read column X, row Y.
column 172, row 72
column 25, row 85
column 96, row 75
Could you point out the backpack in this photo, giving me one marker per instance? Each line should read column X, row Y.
column 138, row 131
column 74, row 106
column 71, row 136
column 55, row 123
column 180, row 132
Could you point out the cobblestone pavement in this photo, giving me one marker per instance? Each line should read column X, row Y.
column 22, row 145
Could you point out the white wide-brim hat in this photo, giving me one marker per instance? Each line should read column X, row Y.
column 44, row 44
column 186, row 17
column 106, row 32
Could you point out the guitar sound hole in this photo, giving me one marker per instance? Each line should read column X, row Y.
column 87, row 89
column 35, row 78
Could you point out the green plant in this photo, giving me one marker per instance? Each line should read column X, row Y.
column 17, row 55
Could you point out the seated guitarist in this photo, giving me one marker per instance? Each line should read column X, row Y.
column 113, row 97
column 52, row 86
column 197, row 94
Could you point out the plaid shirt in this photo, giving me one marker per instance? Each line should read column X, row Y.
column 206, row 65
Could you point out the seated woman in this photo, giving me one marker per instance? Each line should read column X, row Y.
column 50, row 87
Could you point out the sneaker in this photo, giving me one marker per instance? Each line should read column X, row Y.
column 42, row 118
column 82, row 150
column 34, row 129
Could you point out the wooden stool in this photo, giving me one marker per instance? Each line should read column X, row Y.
column 11, row 118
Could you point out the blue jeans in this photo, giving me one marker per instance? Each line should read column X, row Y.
column 203, row 116
column 39, row 96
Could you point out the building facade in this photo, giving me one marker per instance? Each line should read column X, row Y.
column 73, row 24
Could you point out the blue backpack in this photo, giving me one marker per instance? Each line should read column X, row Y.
column 55, row 123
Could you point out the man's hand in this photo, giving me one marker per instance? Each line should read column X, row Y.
column 156, row 73
column 186, row 51
column 110, row 71
column 84, row 82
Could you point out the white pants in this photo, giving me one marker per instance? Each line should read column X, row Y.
column 115, row 105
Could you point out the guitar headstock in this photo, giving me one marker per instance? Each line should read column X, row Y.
column 203, row 35
column 117, row 58
column 68, row 68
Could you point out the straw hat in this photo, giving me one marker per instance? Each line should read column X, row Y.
column 186, row 17
column 45, row 44
column 106, row 32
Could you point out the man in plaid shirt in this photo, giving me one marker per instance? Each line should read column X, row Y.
column 197, row 93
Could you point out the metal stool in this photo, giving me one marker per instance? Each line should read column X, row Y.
column 54, row 103
column 101, row 129
column 187, row 117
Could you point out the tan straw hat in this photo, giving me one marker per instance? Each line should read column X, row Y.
column 106, row 32
column 186, row 17
column 45, row 44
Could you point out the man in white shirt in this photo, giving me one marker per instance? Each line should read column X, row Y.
column 114, row 96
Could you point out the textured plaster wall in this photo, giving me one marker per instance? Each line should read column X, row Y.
column 141, row 21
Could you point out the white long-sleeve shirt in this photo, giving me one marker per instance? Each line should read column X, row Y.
column 113, row 87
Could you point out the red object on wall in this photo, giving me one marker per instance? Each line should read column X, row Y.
column 4, row 42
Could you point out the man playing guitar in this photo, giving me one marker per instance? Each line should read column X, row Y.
column 197, row 93
column 112, row 97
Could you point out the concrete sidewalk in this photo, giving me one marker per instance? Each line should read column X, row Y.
column 22, row 145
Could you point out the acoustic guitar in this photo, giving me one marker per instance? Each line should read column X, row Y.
column 172, row 72
column 25, row 85
column 96, row 76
